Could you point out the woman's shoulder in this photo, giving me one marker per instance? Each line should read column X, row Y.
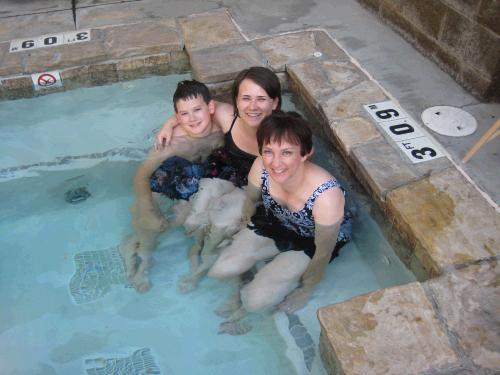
column 317, row 175
column 224, row 114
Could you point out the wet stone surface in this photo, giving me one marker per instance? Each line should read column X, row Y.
column 209, row 30
column 353, row 132
column 146, row 38
column 388, row 332
column 475, row 324
column 35, row 24
column 207, row 67
column 349, row 103
column 379, row 165
column 447, row 219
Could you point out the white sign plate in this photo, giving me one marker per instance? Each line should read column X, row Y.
column 403, row 130
column 50, row 40
column 46, row 80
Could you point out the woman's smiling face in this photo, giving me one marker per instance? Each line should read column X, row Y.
column 282, row 160
column 253, row 102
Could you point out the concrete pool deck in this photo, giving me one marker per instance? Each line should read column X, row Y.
column 445, row 325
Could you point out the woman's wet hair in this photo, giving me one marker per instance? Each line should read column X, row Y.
column 190, row 89
column 285, row 126
column 263, row 77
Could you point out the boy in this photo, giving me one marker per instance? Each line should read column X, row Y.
column 169, row 170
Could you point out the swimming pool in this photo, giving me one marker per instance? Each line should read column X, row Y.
column 66, row 306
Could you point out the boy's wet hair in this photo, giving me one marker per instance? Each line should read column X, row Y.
column 263, row 77
column 190, row 89
column 285, row 126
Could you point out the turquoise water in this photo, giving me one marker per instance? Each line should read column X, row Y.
column 66, row 306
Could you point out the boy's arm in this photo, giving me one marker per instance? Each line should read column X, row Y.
column 164, row 136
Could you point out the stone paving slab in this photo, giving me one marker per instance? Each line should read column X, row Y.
column 384, row 168
column 223, row 63
column 98, row 13
column 379, row 166
column 209, row 30
column 322, row 79
column 287, row 49
column 349, row 103
column 35, row 25
column 11, row 8
column 468, row 300
column 145, row 38
column 354, row 132
column 446, row 220
column 10, row 63
column 67, row 55
column 388, row 332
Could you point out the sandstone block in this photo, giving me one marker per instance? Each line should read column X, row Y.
column 17, row 87
column 209, row 30
column 68, row 55
column 32, row 24
column 131, row 68
column 223, row 63
column 475, row 323
column 100, row 74
column 75, row 77
column 10, row 63
column 389, row 331
column 146, row 38
column 381, row 168
column 349, row 103
column 473, row 44
column 287, row 49
column 488, row 15
column 322, row 79
column 355, row 131
column 426, row 15
column 446, row 219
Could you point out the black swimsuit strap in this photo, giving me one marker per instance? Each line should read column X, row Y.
column 232, row 123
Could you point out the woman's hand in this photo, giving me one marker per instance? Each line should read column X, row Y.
column 295, row 300
column 164, row 136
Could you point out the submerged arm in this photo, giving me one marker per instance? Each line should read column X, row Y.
column 328, row 213
column 253, row 191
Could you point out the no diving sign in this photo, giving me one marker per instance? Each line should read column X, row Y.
column 46, row 80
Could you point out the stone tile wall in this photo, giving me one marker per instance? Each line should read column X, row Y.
column 463, row 37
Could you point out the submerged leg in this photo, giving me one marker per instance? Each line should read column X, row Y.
column 208, row 258
column 141, row 280
column 128, row 251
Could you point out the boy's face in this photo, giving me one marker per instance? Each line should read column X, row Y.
column 195, row 116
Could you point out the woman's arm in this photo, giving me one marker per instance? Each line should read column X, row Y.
column 252, row 191
column 328, row 214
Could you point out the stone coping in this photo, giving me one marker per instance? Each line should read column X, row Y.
column 444, row 219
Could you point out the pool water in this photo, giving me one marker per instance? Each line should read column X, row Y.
column 66, row 306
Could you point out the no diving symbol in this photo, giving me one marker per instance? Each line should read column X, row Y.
column 46, row 80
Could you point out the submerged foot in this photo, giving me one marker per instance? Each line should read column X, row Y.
column 229, row 307
column 141, row 282
column 187, row 283
column 236, row 328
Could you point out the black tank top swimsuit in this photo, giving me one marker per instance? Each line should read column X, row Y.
column 230, row 162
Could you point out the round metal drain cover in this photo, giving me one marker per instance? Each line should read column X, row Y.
column 451, row 121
